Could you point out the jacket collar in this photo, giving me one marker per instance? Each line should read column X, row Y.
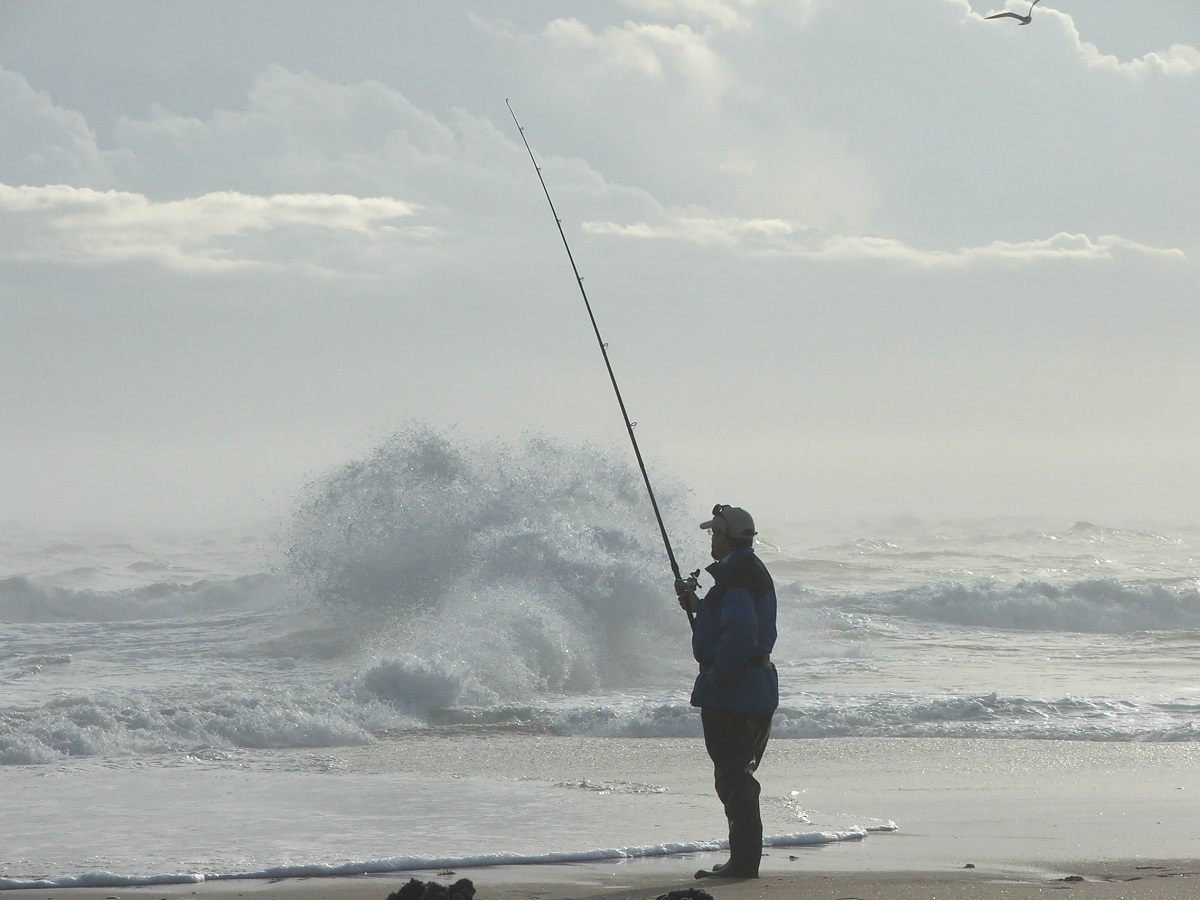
column 727, row 562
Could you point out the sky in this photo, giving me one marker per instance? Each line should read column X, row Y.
column 850, row 257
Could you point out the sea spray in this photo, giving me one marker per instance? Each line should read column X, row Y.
column 480, row 572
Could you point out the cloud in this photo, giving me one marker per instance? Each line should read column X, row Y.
column 1060, row 247
column 777, row 237
column 719, row 12
column 772, row 171
column 42, row 142
column 297, row 132
column 1179, row 60
column 672, row 54
column 695, row 114
column 215, row 232
column 728, row 14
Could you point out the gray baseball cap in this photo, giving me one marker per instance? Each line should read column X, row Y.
column 731, row 520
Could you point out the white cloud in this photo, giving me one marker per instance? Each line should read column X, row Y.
column 721, row 13
column 661, row 52
column 778, row 237
column 1060, row 247
column 298, row 131
column 208, row 233
column 684, row 113
column 770, row 174
column 43, row 142
column 736, row 234
column 1179, row 60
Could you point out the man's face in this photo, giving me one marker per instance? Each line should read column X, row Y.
column 720, row 545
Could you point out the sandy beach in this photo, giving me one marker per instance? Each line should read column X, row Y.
column 979, row 819
column 1177, row 880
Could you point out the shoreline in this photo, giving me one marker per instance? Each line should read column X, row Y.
column 979, row 818
column 1177, row 879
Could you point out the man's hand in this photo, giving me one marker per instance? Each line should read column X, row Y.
column 686, row 585
column 685, row 588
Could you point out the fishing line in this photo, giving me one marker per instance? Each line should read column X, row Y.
column 604, row 352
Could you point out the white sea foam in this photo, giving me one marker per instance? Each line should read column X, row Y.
column 97, row 879
column 432, row 863
column 24, row 600
column 1095, row 606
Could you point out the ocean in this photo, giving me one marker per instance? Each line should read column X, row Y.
column 454, row 653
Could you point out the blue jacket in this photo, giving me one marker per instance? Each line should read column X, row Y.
column 734, row 630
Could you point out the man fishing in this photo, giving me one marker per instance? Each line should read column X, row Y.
column 733, row 632
column 737, row 688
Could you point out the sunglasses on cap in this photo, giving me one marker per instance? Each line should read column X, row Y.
column 718, row 512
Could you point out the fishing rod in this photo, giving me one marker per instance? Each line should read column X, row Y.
column 607, row 363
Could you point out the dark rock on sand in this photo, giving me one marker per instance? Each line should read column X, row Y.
column 416, row 889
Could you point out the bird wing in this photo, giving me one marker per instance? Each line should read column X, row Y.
column 1003, row 14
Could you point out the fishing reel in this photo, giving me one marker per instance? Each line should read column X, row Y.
column 686, row 588
column 689, row 585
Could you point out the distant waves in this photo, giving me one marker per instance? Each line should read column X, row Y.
column 1098, row 606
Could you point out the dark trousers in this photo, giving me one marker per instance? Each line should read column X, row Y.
column 736, row 743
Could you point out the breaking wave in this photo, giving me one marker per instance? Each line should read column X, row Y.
column 482, row 571
column 1091, row 606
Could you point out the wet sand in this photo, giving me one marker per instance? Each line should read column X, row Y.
column 1178, row 880
column 976, row 819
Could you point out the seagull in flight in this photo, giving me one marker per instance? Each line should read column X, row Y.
column 1023, row 19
